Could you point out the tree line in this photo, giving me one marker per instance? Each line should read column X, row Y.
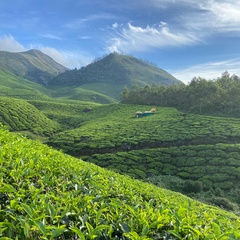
column 219, row 96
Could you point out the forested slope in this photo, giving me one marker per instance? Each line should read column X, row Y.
column 213, row 97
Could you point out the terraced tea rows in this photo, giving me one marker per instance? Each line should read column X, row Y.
column 45, row 194
column 18, row 115
column 216, row 166
column 120, row 130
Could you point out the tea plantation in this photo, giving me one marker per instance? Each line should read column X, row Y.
column 115, row 127
column 201, row 151
column 45, row 194
column 18, row 115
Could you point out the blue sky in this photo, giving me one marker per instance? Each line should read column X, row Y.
column 187, row 38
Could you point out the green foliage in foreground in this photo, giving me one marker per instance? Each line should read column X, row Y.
column 45, row 194
column 199, row 169
column 18, row 115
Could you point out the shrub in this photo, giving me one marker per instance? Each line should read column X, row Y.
column 190, row 186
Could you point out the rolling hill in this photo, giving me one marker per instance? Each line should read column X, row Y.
column 18, row 115
column 110, row 74
column 15, row 86
column 32, row 65
column 102, row 81
column 198, row 149
column 45, row 194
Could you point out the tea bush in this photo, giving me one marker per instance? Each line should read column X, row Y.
column 45, row 194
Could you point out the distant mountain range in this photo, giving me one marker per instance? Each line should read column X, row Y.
column 110, row 74
column 106, row 76
column 32, row 65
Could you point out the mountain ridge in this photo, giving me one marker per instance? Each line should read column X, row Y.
column 106, row 76
column 32, row 65
column 116, row 71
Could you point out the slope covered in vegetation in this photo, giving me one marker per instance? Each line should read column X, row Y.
column 18, row 115
column 214, row 97
column 46, row 194
column 110, row 74
column 70, row 114
column 200, row 150
column 32, row 65
column 14, row 86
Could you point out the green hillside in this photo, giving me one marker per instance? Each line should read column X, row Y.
column 45, row 194
column 81, row 94
column 32, row 65
column 70, row 114
column 195, row 148
column 18, row 87
column 113, row 72
column 18, row 115
column 108, row 128
column 12, row 85
column 101, row 82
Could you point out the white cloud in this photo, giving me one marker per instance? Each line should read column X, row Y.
column 68, row 59
column 225, row 15
column 134, row 38
column 75, row 59
column 10, row 44
column 81, row 22
column 212, row 17
column 115, row 25
column 54, row 54
column 208, row 71
column 50, row 36
column 202, row 20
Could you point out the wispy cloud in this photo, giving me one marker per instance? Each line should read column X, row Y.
column 81, row 22
column 210, row 70
column 70, row 59
column 51, row 36
column 213, row 16
column 206, row 19
column 10, row 44
column 134, row 38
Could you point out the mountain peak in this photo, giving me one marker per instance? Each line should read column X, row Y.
column 32, row 65
column 33, row 52
column 115, row 70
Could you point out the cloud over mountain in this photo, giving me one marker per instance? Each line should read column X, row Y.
column 8, row 43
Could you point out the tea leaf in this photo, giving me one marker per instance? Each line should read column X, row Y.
column 41, row 227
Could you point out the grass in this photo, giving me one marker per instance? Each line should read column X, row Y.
column 45, row 194
column 18, row 87
column 81, row 94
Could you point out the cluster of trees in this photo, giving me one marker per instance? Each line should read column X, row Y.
column 219, row 96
